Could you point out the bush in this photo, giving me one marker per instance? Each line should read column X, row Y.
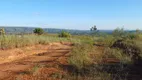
column 105, row 41
column 38, row 31
column 133, row 36
column 117, row 54
column 2, row 31
column 119, row 32
column 80, row 55
column 64, row 34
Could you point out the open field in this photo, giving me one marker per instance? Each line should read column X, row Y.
column 78, row 57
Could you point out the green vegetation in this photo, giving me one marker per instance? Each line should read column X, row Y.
column 15, row 41
column 119, row 32
column 92, row 57
column 2, row 31
column 94, row 28
column 38, row 31
column 117, row 54
column 121, row 51
column 85, row 65
column 80, row 55
column 64, row 34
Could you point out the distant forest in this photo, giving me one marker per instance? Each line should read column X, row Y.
column 24, row 30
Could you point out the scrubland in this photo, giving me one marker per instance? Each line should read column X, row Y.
column 116, row 56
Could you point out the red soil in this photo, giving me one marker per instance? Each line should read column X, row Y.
column 39, row 62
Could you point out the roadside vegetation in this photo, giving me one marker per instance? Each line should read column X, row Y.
column 120, row 58
column 15, row 41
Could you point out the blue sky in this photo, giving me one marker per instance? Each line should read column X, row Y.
column 72, row 14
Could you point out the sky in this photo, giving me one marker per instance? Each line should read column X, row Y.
column 72, row 14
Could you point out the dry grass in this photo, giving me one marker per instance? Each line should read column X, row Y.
column 85, row 58
column 80, row 56
column 15, row 41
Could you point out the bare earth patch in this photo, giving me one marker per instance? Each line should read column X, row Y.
column 34, row 63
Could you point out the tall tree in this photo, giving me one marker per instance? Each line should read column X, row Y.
column 94, row 28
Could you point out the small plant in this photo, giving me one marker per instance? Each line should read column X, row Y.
column 38, row 31
column 56, row 75
column 64, row 34
column 35, row 68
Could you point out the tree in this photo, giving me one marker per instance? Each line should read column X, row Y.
column 94, row 28
column 138, row 31
column 38, row 31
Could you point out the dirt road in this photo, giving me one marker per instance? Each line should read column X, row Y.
column 39, row 63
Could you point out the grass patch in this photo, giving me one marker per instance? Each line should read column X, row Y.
column 16, row 41
column 117, row 54
column 80, row 56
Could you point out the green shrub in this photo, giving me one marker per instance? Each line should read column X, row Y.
column 80, row 56
column 119, row 32
column 138, row 44
column 2, row 31
column 64, row 34
column 118, row 54
column 105, row 41
column 38, row 31
column 132, row 36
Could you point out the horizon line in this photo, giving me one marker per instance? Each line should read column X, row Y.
column 60, row 28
